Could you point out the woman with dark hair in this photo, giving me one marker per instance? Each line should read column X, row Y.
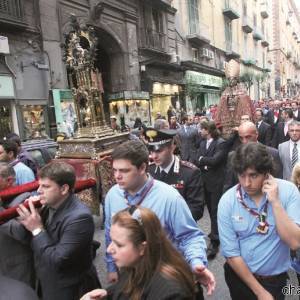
column 150, row 267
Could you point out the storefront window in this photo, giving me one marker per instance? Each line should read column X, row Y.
column 5, row 120
column 129, row 110
column 33, row 116
column 160, row 104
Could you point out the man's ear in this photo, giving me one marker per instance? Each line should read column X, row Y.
column 143, row 167
column 65, row 189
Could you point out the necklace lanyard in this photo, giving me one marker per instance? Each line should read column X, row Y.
column 143, row 194
column 263, row 225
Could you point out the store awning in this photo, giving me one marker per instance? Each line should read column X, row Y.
column 129, row 95
column 197, row 78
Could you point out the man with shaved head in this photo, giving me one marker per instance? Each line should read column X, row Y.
column 247, row 132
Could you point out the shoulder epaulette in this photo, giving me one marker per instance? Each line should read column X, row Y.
column 188, row 164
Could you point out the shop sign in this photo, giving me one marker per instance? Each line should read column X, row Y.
column 129, row 95
column 192, row 77
column 6, row 87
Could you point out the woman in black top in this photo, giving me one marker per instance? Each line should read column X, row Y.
column 150, row 267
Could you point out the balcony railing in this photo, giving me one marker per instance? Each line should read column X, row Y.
column 232, row 49
column 264, row 12
column 246, row 25
column 152, row 39
column 231, row 9
column 257, row 34
column 12, row 13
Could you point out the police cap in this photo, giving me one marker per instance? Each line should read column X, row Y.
column 157, row 139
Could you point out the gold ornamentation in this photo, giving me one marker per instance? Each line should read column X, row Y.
column 151, row 134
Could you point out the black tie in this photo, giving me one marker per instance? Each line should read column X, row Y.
column 163, row 175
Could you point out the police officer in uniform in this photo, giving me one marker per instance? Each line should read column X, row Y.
column 182, row 175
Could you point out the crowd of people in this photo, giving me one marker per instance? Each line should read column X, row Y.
column 164, row 177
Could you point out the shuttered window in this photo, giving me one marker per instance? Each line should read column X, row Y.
column 12, row 8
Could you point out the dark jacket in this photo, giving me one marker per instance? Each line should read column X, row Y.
column 11, row 289
column 159, row 288
column 264, row 133
column 212, row 164
column 16, row 257
column 279, row 136
column 63, row 252
column 186, row 178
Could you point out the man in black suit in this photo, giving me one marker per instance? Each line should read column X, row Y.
column 61, row 236
column 281, row 133
column 296, row 111
column 248, row 133
column 211, row 159
column 273, row 116
column 263, row 128
column 182, row 175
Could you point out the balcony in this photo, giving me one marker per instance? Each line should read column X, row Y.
column 247, row 26
column 264, row 41
column 198, row 34
column 230, row 10
column 232, row 50
column 257, row 34
column 12, row 13
column 264, row 10
column 249, row 61
column 267, row 68
column 152, row 40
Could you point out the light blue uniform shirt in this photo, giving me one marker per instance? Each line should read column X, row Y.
column 264, row 254
column 23, row 173
column 173, row 213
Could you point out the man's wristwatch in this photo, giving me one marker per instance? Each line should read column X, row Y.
column 37, row 231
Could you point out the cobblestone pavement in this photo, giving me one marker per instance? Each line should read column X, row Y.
column 216, row 265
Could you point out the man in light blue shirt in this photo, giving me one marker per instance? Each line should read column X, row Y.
column 258, row 225
column 135, row 187
column 8, row 154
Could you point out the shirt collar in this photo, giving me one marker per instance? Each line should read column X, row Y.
column 169, row 166
column 293, row 143
column 247, row 199
column 132, row 198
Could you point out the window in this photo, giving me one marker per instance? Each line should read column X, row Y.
column 254, row 20
column 12, row 8
column 157, row 21
column 244, row 8
column 195, row 53
column 245, row 45
column 193, row 16
column 228, row 34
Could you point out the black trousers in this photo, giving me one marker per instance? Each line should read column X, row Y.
column 239, row 290
column 212, row 200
